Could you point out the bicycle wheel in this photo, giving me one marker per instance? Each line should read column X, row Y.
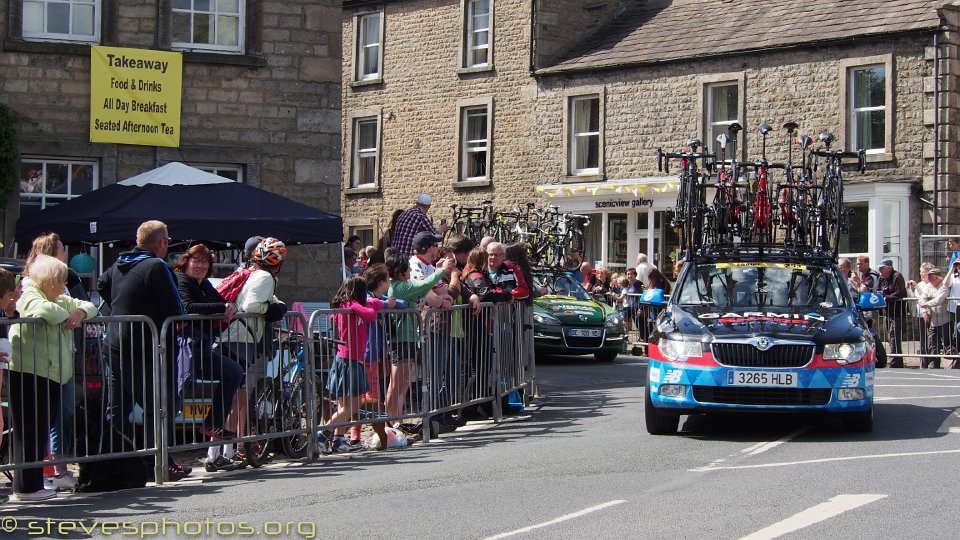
column 262, row 408
column 294, row 415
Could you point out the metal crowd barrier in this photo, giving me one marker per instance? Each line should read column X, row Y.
column 906, row 334
column 94, row 404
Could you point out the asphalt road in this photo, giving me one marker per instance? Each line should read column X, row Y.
column 580, row 464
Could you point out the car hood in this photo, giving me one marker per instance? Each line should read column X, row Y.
column 820, row 325
column 569, row 310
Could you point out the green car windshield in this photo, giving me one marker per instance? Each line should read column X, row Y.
column 760, row 284
column 562, row 285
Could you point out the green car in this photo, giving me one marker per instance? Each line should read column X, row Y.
column 567, row 320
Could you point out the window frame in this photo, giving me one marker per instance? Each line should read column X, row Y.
column 466, row 39
column 238, row 49
column 704, row 83
column 58, row 37
column 845, row 76
column 463, row 108
column 69, row 162
column 713, row 128
column 353, row 168
column 571, row 135
column 371, row 78
column 216, row 168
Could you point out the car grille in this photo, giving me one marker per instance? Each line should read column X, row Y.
column 583, row 342
column 761, row 396
column 778, row 356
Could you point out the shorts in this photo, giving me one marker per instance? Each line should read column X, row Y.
column 346, row 378
column 403, row 352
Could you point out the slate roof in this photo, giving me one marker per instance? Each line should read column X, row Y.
column 684, row 29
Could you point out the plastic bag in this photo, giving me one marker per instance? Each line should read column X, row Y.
column 395, row 439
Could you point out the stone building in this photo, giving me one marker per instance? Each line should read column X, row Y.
column 566, row 102
column 260, row 101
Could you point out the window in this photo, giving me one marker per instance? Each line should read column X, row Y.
column 723, row 104
column 369, row 53
column 45, row 182
column 475, row 143
column 858, row 239
column 476, row 50
column 365, row 232
column 585, row 135
column 231, row 172
column 62, row 20
column 366, row 152
column 868, row 108
column 211, row 25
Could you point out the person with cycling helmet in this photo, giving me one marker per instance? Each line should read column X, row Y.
column 246, row 338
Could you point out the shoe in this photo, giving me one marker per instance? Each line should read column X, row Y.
column 217, row 434
column 42, row 495
column 219, row 463
column 60, row 482
column 340, row 445
column 178, row 472
column 454, row 420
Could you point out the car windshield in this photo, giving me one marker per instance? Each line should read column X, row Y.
column 757, row 284
column 561, row 284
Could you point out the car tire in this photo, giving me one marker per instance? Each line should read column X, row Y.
column 658, row 423
column 606, row 356
column 859, row 422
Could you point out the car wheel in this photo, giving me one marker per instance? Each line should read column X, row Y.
column 606, row 356
column 659, row 423
column 859, row 422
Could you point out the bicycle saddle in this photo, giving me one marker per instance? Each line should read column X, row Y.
column 790, row 127
column 765, row 128
column 723, row 139
column 804, row 141
column 735, row 128
column 694, row 144
column 827, row 138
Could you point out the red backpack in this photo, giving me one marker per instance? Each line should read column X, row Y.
column 231, row 285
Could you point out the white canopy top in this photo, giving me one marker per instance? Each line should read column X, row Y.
column 173, row 174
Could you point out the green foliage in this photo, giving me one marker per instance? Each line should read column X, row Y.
column 9, row 155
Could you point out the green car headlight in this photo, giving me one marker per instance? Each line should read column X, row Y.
column 546, row 320
column 614, row 319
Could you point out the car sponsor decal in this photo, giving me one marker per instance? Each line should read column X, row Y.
column 655, row 374
column 791, row 266
column 851, row 380
column 673, row 376
column 763, row 316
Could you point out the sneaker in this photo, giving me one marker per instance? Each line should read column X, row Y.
column 218, row 434
column 219, row 463
column 42, row 495
column 178, row 472
column 340, row 445
column 60, row 482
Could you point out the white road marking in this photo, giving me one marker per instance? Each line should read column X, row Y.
column 916, row 386
column 815, row 514
column 823, row 460
column 560, row 519
column 763, row 447
column 914, row 397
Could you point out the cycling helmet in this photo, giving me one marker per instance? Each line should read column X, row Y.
column 270, row 252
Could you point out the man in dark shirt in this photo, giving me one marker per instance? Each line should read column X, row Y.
column 141, row 283
column 894, row 289
column 412, row 221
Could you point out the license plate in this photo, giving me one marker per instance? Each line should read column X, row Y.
column 196, row 410
column 762, row 378
column 583, row 332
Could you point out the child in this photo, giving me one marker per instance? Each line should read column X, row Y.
column 9, row 294
column 42, row 363
column 348, row 379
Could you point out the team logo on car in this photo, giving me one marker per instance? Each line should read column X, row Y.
column 582, row 318
column 763, row 344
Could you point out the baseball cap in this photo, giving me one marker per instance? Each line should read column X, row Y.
column 424, row 200
column 424, row 240
column 887, row 262
column 251, row 245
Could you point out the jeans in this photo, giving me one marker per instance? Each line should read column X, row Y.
column 32, row 400
column 61, row 430
column 210, row 365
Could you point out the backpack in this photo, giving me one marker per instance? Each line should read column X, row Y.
column 231, row 285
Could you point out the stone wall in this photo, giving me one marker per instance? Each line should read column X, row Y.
column 274, row 110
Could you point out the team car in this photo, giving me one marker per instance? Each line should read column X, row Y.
column 759, row 334
column 568, row 320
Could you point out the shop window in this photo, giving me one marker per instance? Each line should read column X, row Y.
column 44, row 182
column 210, row 25
column 857, row 239
column 61, row 20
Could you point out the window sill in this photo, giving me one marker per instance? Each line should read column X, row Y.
column 476, row 69
column 361, row 190
column 55, row 47
column 575, row 178
column 208, row 57
column 883, row 157
column 366, row 82
column 465, row 184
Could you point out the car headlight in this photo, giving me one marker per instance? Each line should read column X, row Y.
column 614, row 319
column 845, row 353
column 546, row 320
column 679, row 350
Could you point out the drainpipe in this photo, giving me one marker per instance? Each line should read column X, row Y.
column 936, row 132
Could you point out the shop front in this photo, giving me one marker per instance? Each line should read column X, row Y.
column 628, row 217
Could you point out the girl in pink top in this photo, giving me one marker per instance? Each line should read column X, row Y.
column 347, row 379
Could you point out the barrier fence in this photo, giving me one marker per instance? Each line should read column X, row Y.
column 198, row 382
column 911, row 331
